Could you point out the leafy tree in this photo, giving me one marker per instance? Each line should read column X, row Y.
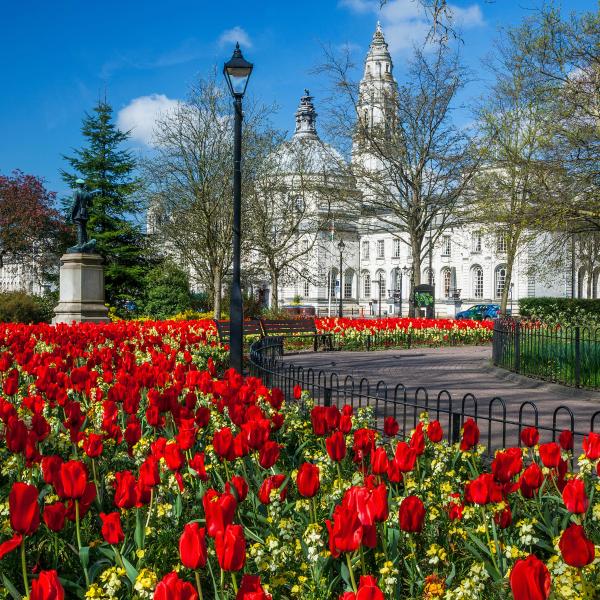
column 29, row 224
column 105, row 166
column 167, row 291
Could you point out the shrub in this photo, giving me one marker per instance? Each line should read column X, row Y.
column 20, row 307
column 567, row 311
column 167, row 292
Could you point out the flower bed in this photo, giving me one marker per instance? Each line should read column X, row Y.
column 130, row 470
column 353, row 334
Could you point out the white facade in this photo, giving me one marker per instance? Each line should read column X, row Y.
column 468, row 266
column 21, row 276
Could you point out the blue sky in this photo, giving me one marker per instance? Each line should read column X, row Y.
column 57, row 58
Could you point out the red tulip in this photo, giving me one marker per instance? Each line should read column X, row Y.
column 411, row 514
column 24, row 508
column 483, row 490
column 576, row 549
column 197, row 463
column 47, row 587
column 223, row 444
column 240, row 485
column 219, row 510
column 268, row 454
column 574, row 496
column 250, row 589
column 405, row 457
column 125, row 489
column 390, row 427
column 92, row 445
column 550, row 454
column 530, row 436
column 111, row 530
column 73, row 478
column 507, row 464
column 230, row 546
column 565, row 439
column 503, row 518
column 10, row 545
column 174, row 457
column 434, row 431
column 531, row 480
column 379, row 461
column 368, row 589
column 417, row 440
column 192, row 546
column 54, row 516
column 470, row 436
column 274, row 482
column 530, row 579
column 173, row 588
column 591, row 446
column 297, row 392
column 308, row 480
column 336, row 446
column 345, row 531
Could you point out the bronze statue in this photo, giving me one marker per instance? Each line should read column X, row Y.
column 82, row 199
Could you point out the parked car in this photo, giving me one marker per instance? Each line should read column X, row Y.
column 479, row 312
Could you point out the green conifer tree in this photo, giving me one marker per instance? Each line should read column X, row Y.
column 104, row 165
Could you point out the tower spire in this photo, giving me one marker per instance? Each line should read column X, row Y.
column 306, row 117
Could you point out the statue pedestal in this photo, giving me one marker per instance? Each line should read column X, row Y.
column 81, row 291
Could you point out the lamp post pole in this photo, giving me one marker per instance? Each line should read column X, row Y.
column 237, row 72
column 379, row 283
column 400, row 299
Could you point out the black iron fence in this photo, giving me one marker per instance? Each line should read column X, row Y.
column 500, row 426
column 567, row 355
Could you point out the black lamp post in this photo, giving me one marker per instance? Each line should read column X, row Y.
column 237, row 73
column 341, row 247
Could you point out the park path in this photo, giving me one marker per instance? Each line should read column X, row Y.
column 460, row 370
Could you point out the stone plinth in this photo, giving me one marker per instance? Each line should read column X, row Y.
column 81, row 292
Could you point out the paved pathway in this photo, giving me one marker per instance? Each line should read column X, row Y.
column 459, row 370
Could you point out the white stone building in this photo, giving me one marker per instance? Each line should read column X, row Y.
column 465, row 265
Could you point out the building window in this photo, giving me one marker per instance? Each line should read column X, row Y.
column 500, row 281
column 396, row 253
column 477, row 282
column 367, row 285
column 332, row 283
column 380, row 282
column 446, row 282
column 348, row 285
column 476, row 241
column 380, row 248
column 501, row 244
column 446, row 246
column 429, row 276
column 306, row 288
column 365, row 250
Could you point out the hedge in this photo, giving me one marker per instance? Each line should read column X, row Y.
column 567, row 311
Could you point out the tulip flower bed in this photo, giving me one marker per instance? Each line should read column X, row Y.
column 130, row 469
column 353, row 334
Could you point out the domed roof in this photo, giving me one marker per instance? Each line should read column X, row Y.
column 306, row 152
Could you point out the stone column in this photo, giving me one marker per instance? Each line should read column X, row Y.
column 81, row 291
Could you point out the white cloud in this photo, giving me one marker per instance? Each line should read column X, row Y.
column 405, row 22
column 236, row 34
column 141, row 114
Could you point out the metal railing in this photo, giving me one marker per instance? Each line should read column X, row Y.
column 498, row 428
column 566, row 355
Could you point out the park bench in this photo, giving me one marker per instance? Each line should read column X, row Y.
column 297, row 328
column 251, row 327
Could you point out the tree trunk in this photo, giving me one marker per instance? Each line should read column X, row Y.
column 274, row 289
column 217, row 284
column 415, row 278
column 510, row 261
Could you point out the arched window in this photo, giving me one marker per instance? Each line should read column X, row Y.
column 348, row 281
column 581, row 281
column 380, row 281
column 397, row 279
column 500, row 280
column 477, row 281
column 429, row 277
column 332, row 283
column 446, row 282
column 366, row 284
column 595, row 279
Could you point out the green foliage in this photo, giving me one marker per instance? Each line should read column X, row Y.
column 19, row 307
column 564, row 311
column 167, row 291
column 104, row 166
